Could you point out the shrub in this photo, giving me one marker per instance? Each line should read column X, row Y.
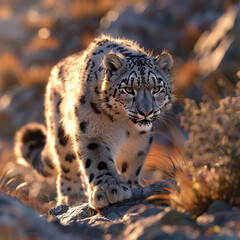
column 213, row 150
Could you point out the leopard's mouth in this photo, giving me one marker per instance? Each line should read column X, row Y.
column 144, row 125
column 144, row 122
column 141, row 122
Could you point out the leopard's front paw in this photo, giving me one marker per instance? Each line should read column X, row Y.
column 109, row 193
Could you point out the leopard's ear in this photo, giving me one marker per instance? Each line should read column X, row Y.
column 164, row 61
column 113, row 62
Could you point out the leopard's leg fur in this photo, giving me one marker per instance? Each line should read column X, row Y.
column 69, row 177
column 132, row 154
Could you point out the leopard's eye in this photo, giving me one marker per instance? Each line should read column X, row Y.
column 156, row 89
column 129, row 90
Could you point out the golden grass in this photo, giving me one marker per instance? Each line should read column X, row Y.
column 24, row 183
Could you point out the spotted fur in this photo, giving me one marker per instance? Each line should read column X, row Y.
column 99, row 109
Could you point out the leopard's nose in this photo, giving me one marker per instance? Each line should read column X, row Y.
column 144, row 113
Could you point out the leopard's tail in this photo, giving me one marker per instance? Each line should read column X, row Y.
column 30, row 145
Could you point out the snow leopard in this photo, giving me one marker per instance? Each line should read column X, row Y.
column 100, row 105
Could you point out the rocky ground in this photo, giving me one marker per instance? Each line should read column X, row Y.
column 135, row 219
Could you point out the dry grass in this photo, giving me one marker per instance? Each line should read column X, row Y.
column 22, row 182
column 195, row 192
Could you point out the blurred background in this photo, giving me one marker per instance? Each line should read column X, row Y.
column 203, row 36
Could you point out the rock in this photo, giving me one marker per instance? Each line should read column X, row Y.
column 39, row 57
column 173, row 217
column 226, row 237
column 25, row 105
column 12, row 32
column 162, row 24
column 18, row 221
column 134, row 219
column 222, row 218
column 218, row 206
column 75, row 214
column 219, row 214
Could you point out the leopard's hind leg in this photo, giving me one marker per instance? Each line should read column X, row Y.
column 69, row 183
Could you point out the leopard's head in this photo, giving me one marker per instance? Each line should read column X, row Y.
column 138, row 86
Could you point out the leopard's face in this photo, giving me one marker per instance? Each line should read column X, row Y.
column 142, row 86
column 144, row 102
